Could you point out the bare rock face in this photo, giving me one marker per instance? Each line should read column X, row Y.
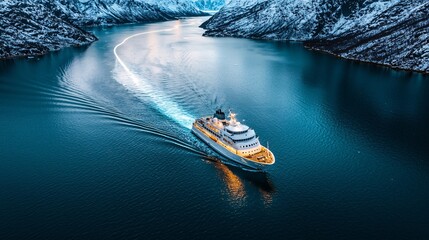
column 34, row 27
column 388, row 32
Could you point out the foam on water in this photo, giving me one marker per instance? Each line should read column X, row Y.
column 138, row 84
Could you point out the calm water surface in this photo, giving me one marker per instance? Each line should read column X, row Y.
column 92, row 147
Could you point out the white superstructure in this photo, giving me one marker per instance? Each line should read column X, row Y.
column 234, row 140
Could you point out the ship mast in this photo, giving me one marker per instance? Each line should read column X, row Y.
column 232, row 118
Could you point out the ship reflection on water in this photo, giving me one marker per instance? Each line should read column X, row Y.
column 234, row 184
column 237, row 180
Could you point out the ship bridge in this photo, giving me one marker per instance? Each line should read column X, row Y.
column 237, row 129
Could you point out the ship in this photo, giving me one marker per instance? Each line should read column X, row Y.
column 233, row 140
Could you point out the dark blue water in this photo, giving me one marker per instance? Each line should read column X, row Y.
column 92, row 147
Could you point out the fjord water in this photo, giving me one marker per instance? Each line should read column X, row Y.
column 95, row 147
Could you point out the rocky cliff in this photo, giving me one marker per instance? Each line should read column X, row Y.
column 393, row 33
column 33, row 29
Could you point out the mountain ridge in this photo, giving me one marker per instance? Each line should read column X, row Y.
column 392, row 33
column 35, row 27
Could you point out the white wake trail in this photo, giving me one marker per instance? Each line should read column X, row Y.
column 139, row 86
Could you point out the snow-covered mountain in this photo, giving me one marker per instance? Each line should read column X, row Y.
column 108, row 12
column 397, row 36
column 33, row 27
column 290, row 19
column 389, row 32
column 210, row 5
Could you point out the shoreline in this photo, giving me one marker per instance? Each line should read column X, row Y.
column 87, row 30
column 310, row 48
column 32, row 29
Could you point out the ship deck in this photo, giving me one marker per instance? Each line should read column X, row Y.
column 265, row 156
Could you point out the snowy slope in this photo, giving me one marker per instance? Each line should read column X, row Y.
column 282, row 19
column 33, row 27
column 397, row 36
column 389, row 32
column 263, row 19
column 176, row 8
column 210, row 5
column 106, row 12
column 109, row 12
